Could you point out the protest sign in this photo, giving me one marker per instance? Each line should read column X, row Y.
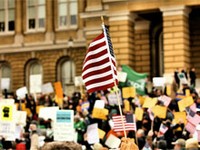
column 48, row 113
column 21, row 92
column 64, row 125
column 100, row 113
column 35, row 83
column 128, row 92
column 158, row 81
column 121, row 76
column 78, row 81
column 160, row 111
column 20, row 117
column 182, row 78
column 112, row 141
column 149, row 102
column 179, row 117
column 5, row 83
column 112, row 99
column 58, row 89
column 139, row 113
column 101, row 133
column 47, row 88
column 99, row 104
column 127, row 106
column 185, row 102
column 92, row 133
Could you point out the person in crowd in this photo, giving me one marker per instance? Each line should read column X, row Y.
column 192, row 75
column 176, row 78
column 80, row 127
column 34, row 137
column 179, row 144
column 184, row 70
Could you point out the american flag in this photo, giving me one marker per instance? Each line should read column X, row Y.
column 128, row 121
column 165, row 100
column 99, row 68
column 163, row 128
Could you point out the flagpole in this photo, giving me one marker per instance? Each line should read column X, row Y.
column 116, row 87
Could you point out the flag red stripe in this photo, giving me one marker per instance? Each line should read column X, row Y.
column 99, row 80
column 99, row 88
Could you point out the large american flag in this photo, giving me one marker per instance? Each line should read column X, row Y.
column 99, row 68
column 128, row 121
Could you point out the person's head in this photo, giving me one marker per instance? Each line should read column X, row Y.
column 33, row 125
column 191, row 144
column 179, row 144
column 162, row 144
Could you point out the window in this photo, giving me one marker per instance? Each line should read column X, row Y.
column 34, row 76
column 5, row 76
column 7, row 17
column 36, row 14
column 67, row 11
column 66, row 73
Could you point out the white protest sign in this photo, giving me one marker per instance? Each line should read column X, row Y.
column 92, row 133
column 48, row 113
column 47, row 88
column 99, row 104
column 64, row 125
column 5, row 83
column 182, row 78
column 158, row 81
column 20, row 117
column 121, row 76
column 21, row 92
column 7, row 101
column 112, row 141
column 112, row 99
column 78, row 81
column 35, row 83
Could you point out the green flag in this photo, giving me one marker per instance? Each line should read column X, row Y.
column 138, row 80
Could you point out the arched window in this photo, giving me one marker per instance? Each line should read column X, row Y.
column 66, row 73
column 34, row 76
column 5, row 76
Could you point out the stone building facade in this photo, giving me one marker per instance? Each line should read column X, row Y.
column 50, row 37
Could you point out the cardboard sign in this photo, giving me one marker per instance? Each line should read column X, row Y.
column 121, row 76
column 128, row 92
column 58, row 89
column 5, row 83
column 35, row 83
column 127, row 106
column 20, row 117
column 100, row 113
column 149, row 102
column 99, row 104
column 112, row 141
column 139, row 113
column 21, row 92
column 48, row 113
column 47, row 88
column 185, row 102
column 92, row 133
column 64, row 125
column 101, row 133
column 182, row 78
column 158, row 81
column 78, row 81
column 179, row 117
column 113, row 99
column 160, row 111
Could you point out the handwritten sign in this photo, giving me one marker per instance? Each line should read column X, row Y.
column 100, row 113
column 150, row 102
column 160, row 111
column 139, row 113
column 128, row 92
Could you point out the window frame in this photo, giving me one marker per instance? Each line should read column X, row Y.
column 37, row 28
column 6, row 18
column 68, row 15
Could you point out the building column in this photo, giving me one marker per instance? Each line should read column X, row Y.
column 49, row 35
column 176, row 38
column 142, row 46
column 122, row 36
column 18, row 40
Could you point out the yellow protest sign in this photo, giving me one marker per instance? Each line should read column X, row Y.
column 101, row 133
column 58, row 89
column 126, row 105
column 179, row 117
column 128, row 92
column 100, row 113
column 142, row 99
column 168, row 90
column 7, row 112
column 160, row 111
column 187, row 92
column 139, row 113
column 150, row 102
column 185, row 102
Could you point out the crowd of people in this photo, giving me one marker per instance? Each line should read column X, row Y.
column 147, row 136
